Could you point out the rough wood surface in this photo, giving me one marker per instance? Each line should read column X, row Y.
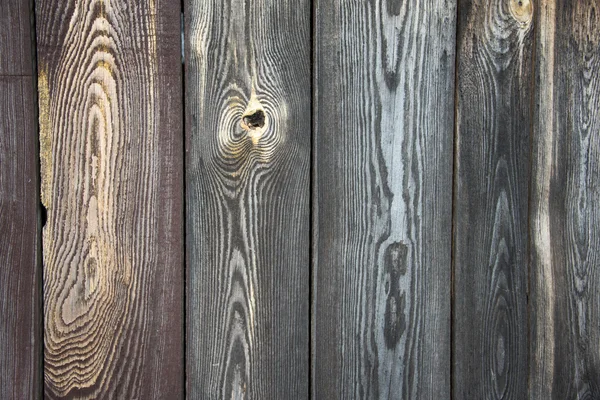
column 109, row 77
column 248, row 122
column 491, row 199
column 565, row 239
column 20, row 316
column 16, row 45
column 384, row 95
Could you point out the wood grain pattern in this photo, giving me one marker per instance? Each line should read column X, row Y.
column 111, row 164
column 383, row 109
column 565, row 235
column 20, row 278
column 248, row 158
column 491, row 199
column 15, row 40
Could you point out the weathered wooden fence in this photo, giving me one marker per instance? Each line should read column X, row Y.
column 362, row 199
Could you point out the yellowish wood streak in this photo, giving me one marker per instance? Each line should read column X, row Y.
column 45, row 136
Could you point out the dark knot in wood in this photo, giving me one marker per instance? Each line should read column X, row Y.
column 256, row 120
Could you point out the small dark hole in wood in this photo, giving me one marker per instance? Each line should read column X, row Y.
column 43, row 214
column 520, row 4
column 255, row 120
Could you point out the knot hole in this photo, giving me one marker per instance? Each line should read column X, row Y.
column 522, row 11
column 254, row 120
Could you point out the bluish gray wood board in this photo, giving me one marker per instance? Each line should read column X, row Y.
column 20, row 278
column 494, row 95
column 383, row 122
column 111, row 135
column 565, row 194
column 248, row 133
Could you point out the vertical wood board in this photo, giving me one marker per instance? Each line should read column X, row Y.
column 248, row 123
column 109, row 78
column 383, row 112
column 494, row 94
column 20, row 286
column 565, row 238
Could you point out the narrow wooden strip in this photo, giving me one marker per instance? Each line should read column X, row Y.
column 384, row 98
column 20, row 278
column 111, row 163
column 248, row 160
column 565, row 220
column 491, row 199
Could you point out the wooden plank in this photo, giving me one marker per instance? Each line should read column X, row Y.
column 491, row 199
column 248, row 122
column 15, row 40
column 111, row 137
column 20, row 277
column 565, row 239
column 383, row 108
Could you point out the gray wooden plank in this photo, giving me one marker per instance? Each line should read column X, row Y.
column 383, row 111
column 248, row 123
column 20, row 275
column 494, row 73
column 109, row 79
column 565, row 221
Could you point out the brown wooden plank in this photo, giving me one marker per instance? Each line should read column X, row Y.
column 109, row 77
column 491, row 199
column 15, row 40
column 565, row 221
column 384, row 95
column 248, row 161
column 20, row 277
